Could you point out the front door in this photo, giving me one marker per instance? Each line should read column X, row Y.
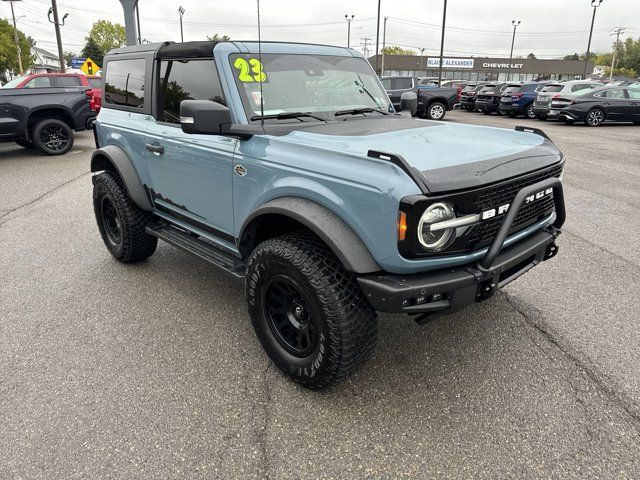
column 190, row 175
column 633, row 107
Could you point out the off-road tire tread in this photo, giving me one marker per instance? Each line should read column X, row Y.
column 137, row 243
column 351, row 320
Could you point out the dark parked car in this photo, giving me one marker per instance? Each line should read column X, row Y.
column 616, row 104
column 433, row 102
column 542, row 103
column 44, row 118
column 519, row 100
column 468, row 95
column 488, row 99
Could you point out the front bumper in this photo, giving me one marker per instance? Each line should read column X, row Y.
column 446, row 290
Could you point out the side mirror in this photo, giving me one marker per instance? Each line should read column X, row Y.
column 203, row 116
column 409, row 103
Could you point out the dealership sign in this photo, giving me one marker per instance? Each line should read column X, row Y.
column 502, row 65
column 450, row 62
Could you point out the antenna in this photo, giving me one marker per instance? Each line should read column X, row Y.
column 260, row 59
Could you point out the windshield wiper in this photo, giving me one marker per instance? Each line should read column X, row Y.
column 286, row 115
column 356, row 111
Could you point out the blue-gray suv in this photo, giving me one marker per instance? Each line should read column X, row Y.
column 286, row 165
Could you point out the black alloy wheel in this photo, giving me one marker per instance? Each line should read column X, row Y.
column 54, row 137
column 289, row 316
column 594, row 118
column 110, row 221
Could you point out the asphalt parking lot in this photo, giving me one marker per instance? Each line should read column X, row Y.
column 153, row 370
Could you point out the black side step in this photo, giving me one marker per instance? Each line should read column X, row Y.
column 204, row 250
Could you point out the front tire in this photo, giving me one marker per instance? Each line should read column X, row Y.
column 53, row 137
column 308, row 311
column 594, row 118
column 120, row 221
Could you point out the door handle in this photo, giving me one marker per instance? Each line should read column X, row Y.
column 154, row 148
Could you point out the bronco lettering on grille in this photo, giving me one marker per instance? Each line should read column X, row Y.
column 487, row 214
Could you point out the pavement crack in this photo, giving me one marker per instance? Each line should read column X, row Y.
column 595, row 245
column 600, row 379
column 6, row 213
column 261, row 428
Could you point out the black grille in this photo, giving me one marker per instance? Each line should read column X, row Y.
column 481, row 235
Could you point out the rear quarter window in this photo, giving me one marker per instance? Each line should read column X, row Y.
column 403, row 83
column 67, row 81
column 38, row 82
column 124, row 83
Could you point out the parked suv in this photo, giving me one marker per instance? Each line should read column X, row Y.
column 488, row 98
column 468, row 96
column 542, row 103
column 42, row 80
column 282, row 165
column 519, row 100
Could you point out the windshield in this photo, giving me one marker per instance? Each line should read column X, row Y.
column 13, row 83
column 306, row 83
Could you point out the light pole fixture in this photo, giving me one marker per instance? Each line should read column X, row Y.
column 515, row 24
column 56, row 23
column 378, row 37
column 349, row 18
column 444, row 21
column 181, row 13
column 595, row 4
column 384, row 44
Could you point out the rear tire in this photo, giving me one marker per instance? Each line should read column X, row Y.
column 594, row 118
column 120, row 221
column 529, row 113
column 436, row 111
column 541, row 117
column 53, row 136
column 308, row 311
column 24, row 143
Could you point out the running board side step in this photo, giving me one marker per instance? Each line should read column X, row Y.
column 201, row 249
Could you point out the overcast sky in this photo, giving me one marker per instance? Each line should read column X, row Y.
column 550, row 28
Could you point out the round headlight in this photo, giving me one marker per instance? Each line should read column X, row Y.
column 438, row 239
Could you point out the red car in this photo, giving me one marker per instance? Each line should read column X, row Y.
column 38, row 80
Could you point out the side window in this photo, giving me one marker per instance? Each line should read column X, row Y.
column 634, row 94
column 124, row 83
column 386, row 83
column 38, row 82
column 615, row 93
column 403, row 83
column 187, row 80
column 67, row 81
column 575, row 88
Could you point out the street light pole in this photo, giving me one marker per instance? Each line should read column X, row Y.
column 349, row 29
column 444, row 21
column 515, row 24
column 384, row 42
column 421, row 56
column 56, row 24
column 181, row 13
column 15, row 36
column 378, row 36
column 595, row 4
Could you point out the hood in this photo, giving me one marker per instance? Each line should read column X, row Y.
column 451, row 156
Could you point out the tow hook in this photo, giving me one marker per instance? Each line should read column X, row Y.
column 552, row 251
column 486, row 290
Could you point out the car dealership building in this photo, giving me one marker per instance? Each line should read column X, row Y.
column 482, row 68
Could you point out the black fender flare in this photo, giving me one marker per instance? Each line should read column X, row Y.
column 334, row 231
column 120, row 161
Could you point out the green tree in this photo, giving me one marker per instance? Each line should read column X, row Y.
column 531, row 56
column 9, row 51
column 68, row 56
column 395, row 50
column 92, row 50
column 107, row 36
column 216, row 37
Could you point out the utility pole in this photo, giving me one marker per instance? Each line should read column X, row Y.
column 365, row 46
column 378, row 36
column 349, row 29
column 515, row 24
column 384, row 42
column 181, row 13
column 444, row 21
column 421, row 56
column 617, row 32
column 56, row 23
column 15, row 36
column 595, row 4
